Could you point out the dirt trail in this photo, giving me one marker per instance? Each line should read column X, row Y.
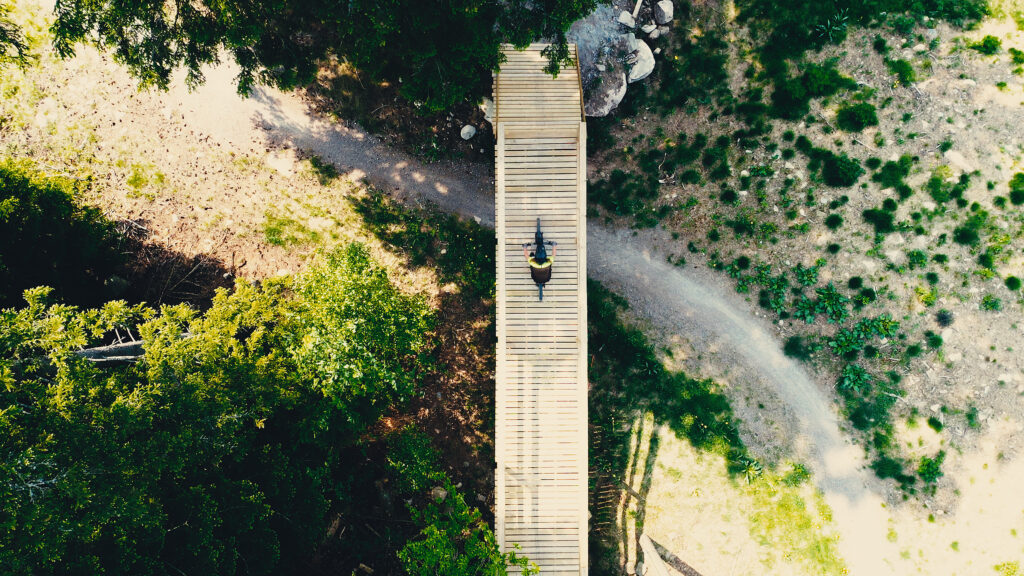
column 674, row 300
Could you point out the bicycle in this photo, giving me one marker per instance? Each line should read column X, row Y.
column 540, row 264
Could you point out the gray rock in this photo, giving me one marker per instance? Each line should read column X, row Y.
column 438, row 493
column 931, row 34
column 654, row 34
column 627, row 20
column 648, row 28
column 468, row 131
column 487, row 107
column 663, row 12
column 608, row 91
column 643, row 64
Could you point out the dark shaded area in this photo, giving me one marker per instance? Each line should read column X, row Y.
column 154, row 274
column 48, row 238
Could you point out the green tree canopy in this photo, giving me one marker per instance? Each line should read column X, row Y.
column 221, row 450
column 439, row 51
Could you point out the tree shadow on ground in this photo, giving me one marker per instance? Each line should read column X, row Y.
column 154, row 274
column 632, row 396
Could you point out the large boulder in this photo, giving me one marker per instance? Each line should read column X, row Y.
column 606, row 92
column 642, row 60
column 663, row 12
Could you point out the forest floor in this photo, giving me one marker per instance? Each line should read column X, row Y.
column 249, row 183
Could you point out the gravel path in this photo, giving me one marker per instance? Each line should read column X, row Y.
column 687, row 301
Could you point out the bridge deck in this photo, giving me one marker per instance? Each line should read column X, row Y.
column 541, row 420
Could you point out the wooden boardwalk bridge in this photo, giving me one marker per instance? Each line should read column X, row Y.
column 541, row 420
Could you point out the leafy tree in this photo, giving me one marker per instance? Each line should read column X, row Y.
column 13, row 46
column 456, row 541
column 439, row 51
column 220, row 451
column 360, row 340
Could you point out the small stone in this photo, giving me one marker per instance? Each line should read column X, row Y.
column 481, row 498
column 438, row 493
column 744, row 173
column 657, row 51
column 935, row 408
column 649, row 27
column 600, row 67
column 365, row 568
column 931, row 34
column 627, row 20
column 663, row 12
column 919, row 48
column 468, row 131
column 655, row 34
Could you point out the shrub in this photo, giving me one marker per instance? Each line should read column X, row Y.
column 797, row 475
column 833, row 221
column 916, row 259
column 880, row 45
column 944, row 318
column 855, row 379
column 988, row 45
column 882, row 220
column 49, row 238
column 930, row 469
column 1012, row 283
column 856, row 117
column 933, row 340
column 455, row 541
column 903, row 71
column 1017, row 189
column 873, row 163
column 832, row 304
column 991, row 303
column 855, row 282
column 796, row 348
column 808, row 276
column 841, row 170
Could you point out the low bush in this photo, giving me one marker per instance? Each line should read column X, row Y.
column 841, row 170
column 833, row 221
column 944, row 318
column 1017, row 189
column 988, row 45
column 791, row 96
column 882, row 220
column 796, row 347
column 1012, row 283
column 903, row 70
column 930, row 469
column 856, row 117
column 991, row 303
